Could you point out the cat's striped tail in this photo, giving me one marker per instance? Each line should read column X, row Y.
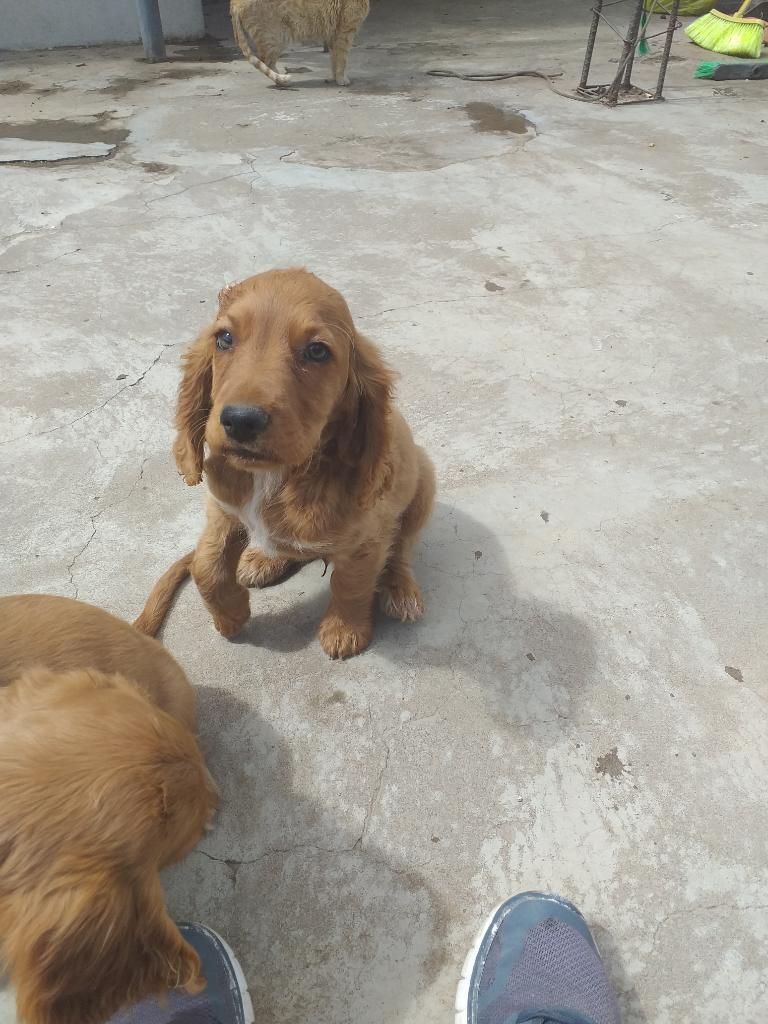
column 244, row 42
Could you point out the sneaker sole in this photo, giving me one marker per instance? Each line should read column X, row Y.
column 249, row 1016
column 462, row 991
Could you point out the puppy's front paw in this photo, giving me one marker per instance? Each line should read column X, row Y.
column 340, row 640
column 401, row 599
column 258, row 570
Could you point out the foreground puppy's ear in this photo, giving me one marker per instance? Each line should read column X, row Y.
column 81, row 951
column 370, row 437
column 193, row 405
column 228, row 293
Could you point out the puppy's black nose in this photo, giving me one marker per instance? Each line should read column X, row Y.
column 244, row 422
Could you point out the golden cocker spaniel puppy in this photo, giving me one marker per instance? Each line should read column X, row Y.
column 307, row 458
column 102, row 784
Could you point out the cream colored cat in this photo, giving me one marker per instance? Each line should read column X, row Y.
column 264, row 28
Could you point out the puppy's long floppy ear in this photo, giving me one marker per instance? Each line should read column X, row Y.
column 367, row 445
column 78, row 953
column 193, row 404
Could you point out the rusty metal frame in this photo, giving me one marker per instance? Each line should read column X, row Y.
column 621, row 90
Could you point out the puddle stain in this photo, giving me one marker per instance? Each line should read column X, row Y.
column 64, row 130
column 121, row 85
column 13, row 88
column 486, row 117
column 208, row 50
column 610, row 764
column 155, row 167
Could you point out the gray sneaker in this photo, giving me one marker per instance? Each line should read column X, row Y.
column 535, row 960
column 224, row 1000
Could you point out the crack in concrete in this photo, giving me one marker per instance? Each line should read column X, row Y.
column 45, row 263
column 425, row 302
column 374, row 797
column 83, row 549
column 89, row 412
column 698, row 910
column 197, row 184
column 94, row 528
column 235, row 863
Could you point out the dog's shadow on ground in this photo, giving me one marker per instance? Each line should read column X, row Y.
column 327, row 926
column 614, row 957
column 528, row 656
column 531, row 657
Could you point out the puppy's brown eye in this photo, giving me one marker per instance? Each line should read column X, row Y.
column 317, row 352
column 224, row 340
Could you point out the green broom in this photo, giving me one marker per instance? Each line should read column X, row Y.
column 687, row 8
column 729, row 33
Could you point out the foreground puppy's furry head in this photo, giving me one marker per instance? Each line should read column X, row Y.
column 98, row 790
column 280, row 377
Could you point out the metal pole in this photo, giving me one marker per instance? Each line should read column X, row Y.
column 151, row 28
column 591, row 43
column 630, row 63
column 672, row 25
column 612, row 96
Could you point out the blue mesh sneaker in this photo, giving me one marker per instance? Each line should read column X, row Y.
column 224, row 1000
column 535, row 961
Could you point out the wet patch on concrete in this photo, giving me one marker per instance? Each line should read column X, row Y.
column 610, row 764
column 182, row 74
column 487, row 117
column 371, row 88
column 24, row 151
column 154, row 167
column 64, row 130
column 124, row 84
column 208, row 50
column 13, row 88
column 48, row 141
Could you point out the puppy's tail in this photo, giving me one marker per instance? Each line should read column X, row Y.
column 244, row 42
column 161, row 597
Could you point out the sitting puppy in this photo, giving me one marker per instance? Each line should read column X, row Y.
column 264, row 28
column 306, row 455
column 102, row 784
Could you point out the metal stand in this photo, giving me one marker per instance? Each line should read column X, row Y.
column 621, row 89
column 151, row 28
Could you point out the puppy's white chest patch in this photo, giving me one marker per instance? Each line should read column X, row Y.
column 265, row 484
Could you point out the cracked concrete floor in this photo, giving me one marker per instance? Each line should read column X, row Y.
column 577, row 313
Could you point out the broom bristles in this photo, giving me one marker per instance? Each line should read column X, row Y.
column 723, row 33
column 707, row 69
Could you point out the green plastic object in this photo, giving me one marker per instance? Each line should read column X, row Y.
column 731, row 72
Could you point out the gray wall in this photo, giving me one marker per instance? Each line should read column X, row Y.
column 38, row 24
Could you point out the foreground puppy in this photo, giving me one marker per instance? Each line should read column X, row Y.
column 307, row 455
column 265, row 28
column 102, row 784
